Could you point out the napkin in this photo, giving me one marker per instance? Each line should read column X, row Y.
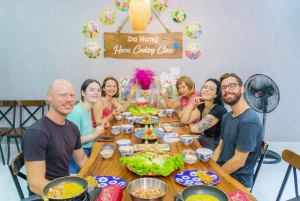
column 237, row 196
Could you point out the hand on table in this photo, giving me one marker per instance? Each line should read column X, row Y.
column 98, row 130
column 105, row 124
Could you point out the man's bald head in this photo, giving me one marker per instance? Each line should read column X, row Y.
column 56, row 84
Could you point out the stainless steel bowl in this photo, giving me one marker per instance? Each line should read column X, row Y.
column 143, row 183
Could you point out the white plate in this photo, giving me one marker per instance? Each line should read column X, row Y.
column 168, row 139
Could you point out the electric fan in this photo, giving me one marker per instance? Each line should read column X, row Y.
column 262, row 95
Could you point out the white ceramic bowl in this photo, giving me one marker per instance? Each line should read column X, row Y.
column 186, row 140
column 126, row 114
column 160, row 114
column 115, row 130
column 189, row 156
column 130, row 120
column 170, row 112
column 127, row 128
column 168, row 128
column 123, row 142
column 161, row 111
column 204, row 154
column 119, row 117
column 126, row 150
column 106, row 153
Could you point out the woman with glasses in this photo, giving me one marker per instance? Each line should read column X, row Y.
column 186, row 89
column 80, row 115
column 210, row 108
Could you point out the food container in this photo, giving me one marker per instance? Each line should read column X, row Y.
column 168, row 128
column 115, row 130
column 144, row 183
column 204, row 154
column 142, row 103
column 126, row 150
column 127, row 128
column 170, row 112
column 79, row 180
column 119, row 117
column 108, row 147
column 131, row 120
column 123, row 142
column 186, row 141
column 126, row 114
column 189, row 156
column 161, row 114
column 106, row 153
column 203, row 189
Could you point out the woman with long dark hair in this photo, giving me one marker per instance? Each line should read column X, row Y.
column 210, row 108
column 80, row 115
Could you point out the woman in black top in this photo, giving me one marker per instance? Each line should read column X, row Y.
column 210, row 108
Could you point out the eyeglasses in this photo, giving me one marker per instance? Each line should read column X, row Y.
column 231, row 86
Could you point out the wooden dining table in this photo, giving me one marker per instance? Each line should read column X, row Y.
column 98, row 166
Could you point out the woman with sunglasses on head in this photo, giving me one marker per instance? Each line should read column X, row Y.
column 107, row 107
column 80, row 115
column 210, row 108
column 186, row 88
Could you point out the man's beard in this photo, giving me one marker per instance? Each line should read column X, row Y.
column 234, row 100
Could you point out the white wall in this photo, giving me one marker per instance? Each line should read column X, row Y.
column 41, row 41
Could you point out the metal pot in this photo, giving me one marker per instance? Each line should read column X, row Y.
column 202, row 189
column 79, row 180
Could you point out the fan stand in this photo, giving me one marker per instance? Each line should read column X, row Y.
column 271, row 155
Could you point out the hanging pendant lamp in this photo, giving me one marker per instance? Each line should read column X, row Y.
column 139, row 14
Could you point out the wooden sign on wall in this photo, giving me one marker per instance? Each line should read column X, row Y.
column 143, row 46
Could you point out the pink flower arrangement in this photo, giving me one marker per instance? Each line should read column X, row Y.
column 143, row 77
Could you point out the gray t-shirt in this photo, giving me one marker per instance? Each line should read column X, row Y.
column 244, row 133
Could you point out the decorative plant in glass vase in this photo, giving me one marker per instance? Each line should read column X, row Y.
column 143, row 77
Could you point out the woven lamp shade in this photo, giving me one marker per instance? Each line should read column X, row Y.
column 139, row 14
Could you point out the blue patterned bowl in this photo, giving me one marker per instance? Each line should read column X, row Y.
column 115, row 130
column 126, row 114
column 170, row 112
column 127, row 128
column 204, row 154
column 123, row 142
column 186, row 140
column 126, row 150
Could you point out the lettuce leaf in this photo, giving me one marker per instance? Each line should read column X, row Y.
column 141, row 164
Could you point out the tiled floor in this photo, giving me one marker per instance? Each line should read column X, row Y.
column 266, row 187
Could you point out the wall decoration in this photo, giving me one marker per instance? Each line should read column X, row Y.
column 92, row 50
column 160, row 5
column 193, row 51
column 143, row 46
column 90, row 29
column 108, row 16
column 178, row 15
column 122, row 5
column 193, row 30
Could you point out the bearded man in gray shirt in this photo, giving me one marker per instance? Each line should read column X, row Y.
column 241, row 133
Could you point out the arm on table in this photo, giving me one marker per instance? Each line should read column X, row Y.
column 171, row 104
column 80, row 157
column 236, row 162
column 217, row 151
column 36, row 171
column 96, row 132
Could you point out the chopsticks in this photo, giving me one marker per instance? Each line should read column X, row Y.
column 183, row 136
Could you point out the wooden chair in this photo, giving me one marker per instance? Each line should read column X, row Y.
column 293, row 160
column 17, row 133
column 14, row 168
column 6, row 117
column 263, row 152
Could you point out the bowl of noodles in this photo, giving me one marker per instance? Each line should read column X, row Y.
column 65, row 188
column 150, row 135
column 203, row 193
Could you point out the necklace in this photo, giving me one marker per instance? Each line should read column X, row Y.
column 205, row 112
